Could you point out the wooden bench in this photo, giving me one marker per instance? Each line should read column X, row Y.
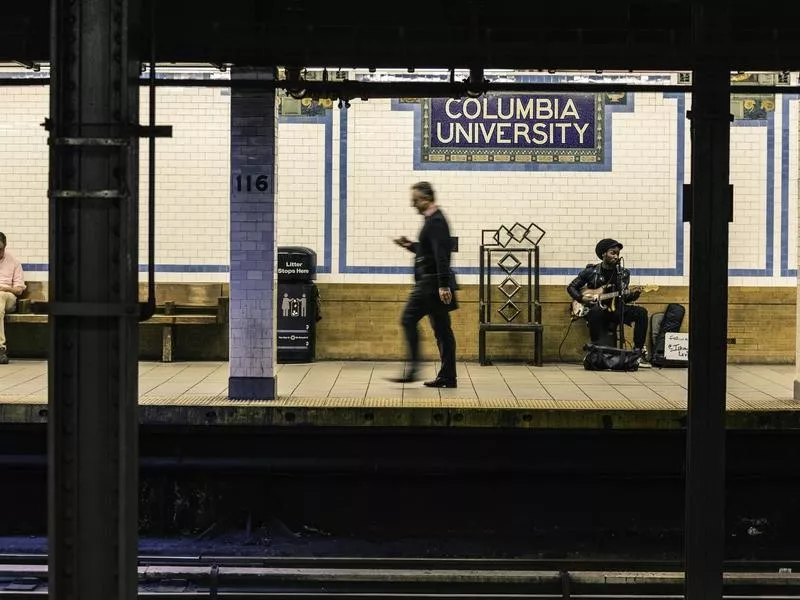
column 177, row 304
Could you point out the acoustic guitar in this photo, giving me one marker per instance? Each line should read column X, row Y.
column 605, row 299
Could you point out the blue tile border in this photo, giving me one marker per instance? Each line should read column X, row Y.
column 40, row 267
column 677, row 270
column 323, row 266
column 343, row 268
column 769, row 219
column 786, row 121
column 167, row 268
column 343, row 171
column 159, row 268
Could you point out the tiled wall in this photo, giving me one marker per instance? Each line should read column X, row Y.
column 23, row 173
column 192, row 189
column 342, row 189
column 192, row 172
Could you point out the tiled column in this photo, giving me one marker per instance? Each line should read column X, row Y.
column 252, row 243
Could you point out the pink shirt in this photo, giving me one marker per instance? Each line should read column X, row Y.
column 11, row 272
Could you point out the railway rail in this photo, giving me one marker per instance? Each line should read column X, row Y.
column 24, row 576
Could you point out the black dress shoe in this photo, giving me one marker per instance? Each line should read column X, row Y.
column 441, row 383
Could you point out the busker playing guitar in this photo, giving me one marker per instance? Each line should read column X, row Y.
column 600, row 280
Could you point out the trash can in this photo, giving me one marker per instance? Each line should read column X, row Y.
column 298, row 304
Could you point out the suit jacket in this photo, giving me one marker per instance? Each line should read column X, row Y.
column 432, row 261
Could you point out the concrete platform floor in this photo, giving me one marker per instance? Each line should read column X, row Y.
column 363, row 384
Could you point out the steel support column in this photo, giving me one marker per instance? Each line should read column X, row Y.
column 708, row 297
column 93, row 294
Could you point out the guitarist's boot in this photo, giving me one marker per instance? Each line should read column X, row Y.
column 643, row 358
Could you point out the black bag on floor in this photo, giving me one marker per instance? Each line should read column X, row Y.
column 608, row 358
column 661, row 324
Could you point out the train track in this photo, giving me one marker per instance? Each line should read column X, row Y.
column 222, row 577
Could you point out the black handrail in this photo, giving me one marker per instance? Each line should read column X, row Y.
column 148, row 309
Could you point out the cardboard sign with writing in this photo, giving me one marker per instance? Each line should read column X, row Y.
column 676, row 346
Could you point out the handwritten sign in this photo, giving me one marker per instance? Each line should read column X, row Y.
column 676, row 346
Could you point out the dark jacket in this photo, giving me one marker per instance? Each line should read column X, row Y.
column 592, row 277
column 432, row 251
column 432, row 257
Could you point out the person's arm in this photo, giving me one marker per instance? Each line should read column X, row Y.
column 17, row 282
column 576, row 285
column 406, row 243
column 442, row 246
column 626, row 279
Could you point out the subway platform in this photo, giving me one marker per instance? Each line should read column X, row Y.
column 357, row 393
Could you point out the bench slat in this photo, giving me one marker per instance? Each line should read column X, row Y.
column 26, row 318
column 154, row 320
column 181, row 294
column 512, row 326
column 159, row 319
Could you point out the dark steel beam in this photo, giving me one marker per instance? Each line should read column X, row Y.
column 254, row 48
column 93, row 292
column 631, row 34
column 403, row 89
column 708, row 298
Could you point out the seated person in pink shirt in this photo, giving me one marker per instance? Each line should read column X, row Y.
column 12, row 284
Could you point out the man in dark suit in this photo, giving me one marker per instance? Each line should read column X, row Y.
column 434, row 289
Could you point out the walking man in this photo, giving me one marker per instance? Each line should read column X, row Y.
column 434, row 289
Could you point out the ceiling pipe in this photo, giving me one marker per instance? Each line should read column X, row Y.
column 418, row 89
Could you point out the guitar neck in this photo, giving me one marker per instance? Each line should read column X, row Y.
column 608, row 295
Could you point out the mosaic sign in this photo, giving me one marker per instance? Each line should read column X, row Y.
column 752, row 107
column 531, row 127
column 306, row 107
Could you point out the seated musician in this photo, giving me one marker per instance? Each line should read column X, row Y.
column 609, row 276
